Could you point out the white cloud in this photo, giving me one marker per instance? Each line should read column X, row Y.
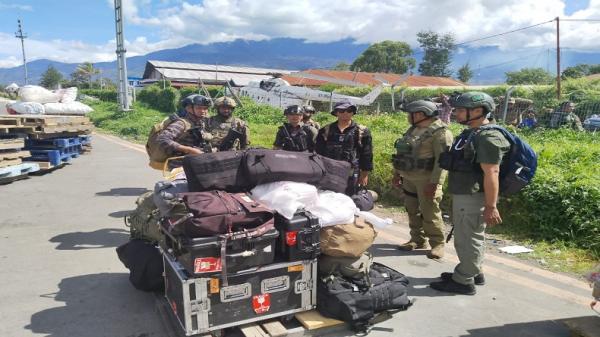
column 16, row 6
column 174, row 23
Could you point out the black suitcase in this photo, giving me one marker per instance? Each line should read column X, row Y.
column 299, row 237
column 202, row 256
column 201, row 305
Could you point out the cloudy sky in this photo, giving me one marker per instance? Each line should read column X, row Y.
column 77, row 31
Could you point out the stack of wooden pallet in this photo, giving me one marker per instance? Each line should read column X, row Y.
column 41, row 142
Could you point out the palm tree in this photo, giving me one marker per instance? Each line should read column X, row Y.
column 87, row 70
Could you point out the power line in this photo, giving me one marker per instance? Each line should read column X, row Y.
column 22, row 36
column 588, row 20
column 505, row 33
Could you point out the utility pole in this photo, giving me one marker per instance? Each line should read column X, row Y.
column 558, row 57
column 121, row 60
column 19, row 35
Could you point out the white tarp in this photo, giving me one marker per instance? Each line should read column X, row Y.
column 72, row 108
column 27, row 108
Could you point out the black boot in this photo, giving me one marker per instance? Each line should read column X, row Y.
column 451, row 286
column 479, row 278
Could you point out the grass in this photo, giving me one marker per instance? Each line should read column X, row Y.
column 557, row 215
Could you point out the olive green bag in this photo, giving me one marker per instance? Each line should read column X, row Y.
column 143, row 222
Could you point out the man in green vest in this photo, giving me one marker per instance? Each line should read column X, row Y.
column 418, row 174
column 473, row 163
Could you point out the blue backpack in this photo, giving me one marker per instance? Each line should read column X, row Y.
column 518, row 169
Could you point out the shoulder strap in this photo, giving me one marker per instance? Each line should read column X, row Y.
column 360, row 132
column 326, row 131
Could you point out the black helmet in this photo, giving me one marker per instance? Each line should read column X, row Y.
column 472, row 100
column 308, row 109
column 293, row 110
column 428, row 108
column 188, row 100
column 201, row 100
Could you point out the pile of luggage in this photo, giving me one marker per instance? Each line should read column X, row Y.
column 226, row 253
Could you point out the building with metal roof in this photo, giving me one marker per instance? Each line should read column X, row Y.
column 187, row 74
column 318, row 77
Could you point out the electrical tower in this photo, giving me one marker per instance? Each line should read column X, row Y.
column 121, row 60
column 19, row 35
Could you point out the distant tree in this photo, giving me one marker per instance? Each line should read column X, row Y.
column 341, row 66
column 438, row 53
column 84, row 72
column 580, row 70
column 51, row 78
column 529, row 76
column 577, row 71
column 465, row 73
column 385, row 57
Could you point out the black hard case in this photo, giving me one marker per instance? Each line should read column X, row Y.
column 196, row 254
column 203, row 304
column 307, row 237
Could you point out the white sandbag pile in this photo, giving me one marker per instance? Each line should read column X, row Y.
column 26, row 108
column 57, row 102
column 3, row 103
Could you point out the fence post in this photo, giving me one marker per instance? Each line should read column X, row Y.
column 505, row 107
column 393, row 103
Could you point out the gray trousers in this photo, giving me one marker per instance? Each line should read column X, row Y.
column 469, row 235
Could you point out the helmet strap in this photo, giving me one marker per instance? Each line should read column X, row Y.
column 469, row 119
column 420, row 121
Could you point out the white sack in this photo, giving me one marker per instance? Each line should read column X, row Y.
column 72, row 108
column 3, row 103
column 67, row 95
column 34, row 93
column 333, row 209
column 12, row 88
column 27, row 108
column 285, row 197
column 375, row 220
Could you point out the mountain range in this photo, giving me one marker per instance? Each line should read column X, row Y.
column 488, row 64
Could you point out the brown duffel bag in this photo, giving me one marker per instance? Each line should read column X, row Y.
column 350, row 240
column 218, row 213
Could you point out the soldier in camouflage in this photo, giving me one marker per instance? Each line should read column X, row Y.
column 187, row 135
column 295, row 135
column 228, row 132
column 308, row 112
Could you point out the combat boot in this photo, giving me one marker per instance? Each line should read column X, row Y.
column 436, row 252
column 411, row 245
column 451, row 286
column 479, row 279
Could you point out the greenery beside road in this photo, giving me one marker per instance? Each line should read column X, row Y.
column 560, row 208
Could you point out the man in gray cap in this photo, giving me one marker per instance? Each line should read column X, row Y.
column 346, row 140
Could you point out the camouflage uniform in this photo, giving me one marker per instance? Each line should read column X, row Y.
column 218, row 126
column 313, row 123
column 178, row 133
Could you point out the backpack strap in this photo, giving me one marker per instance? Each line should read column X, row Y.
column 326, row 131
column 360, row 132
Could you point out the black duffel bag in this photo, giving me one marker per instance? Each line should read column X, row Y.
column 266, row 166
column 145, row 264
column 356, row 301
column 216, row 171
column 336, row 176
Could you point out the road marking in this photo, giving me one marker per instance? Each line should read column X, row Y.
column 532, row 284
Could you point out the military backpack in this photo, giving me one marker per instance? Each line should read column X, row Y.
column 155, row 152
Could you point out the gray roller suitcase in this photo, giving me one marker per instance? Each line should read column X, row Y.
column 203, row 304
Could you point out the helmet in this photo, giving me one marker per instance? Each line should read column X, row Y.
column 428, row 108
column 308, row 109
column 472, row 100
column 344, row 104
column 225, row 101
column 201, row 100
column 188, row 100
column 293, row 110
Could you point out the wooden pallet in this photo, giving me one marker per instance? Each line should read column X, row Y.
column 17, row 170
column 12, row 144
column 11, row 162
column 8, row 155
column 43, row 120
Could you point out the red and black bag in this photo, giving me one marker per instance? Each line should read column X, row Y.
column 218, row 213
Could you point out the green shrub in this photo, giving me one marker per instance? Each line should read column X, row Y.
column 165, row 100
column 103, row 95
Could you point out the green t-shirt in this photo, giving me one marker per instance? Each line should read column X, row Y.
column 488, row 147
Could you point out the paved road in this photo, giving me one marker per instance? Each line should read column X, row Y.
column 61, row 276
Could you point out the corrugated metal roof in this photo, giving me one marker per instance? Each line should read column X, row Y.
column 216, row 67
column 371, row 79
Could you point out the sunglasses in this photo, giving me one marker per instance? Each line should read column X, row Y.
column 343, row 110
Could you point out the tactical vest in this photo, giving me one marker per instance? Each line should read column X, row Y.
column 340, row 146
column 461, row 156
column 219, row 129
column 407, row 150
column 295, row 141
